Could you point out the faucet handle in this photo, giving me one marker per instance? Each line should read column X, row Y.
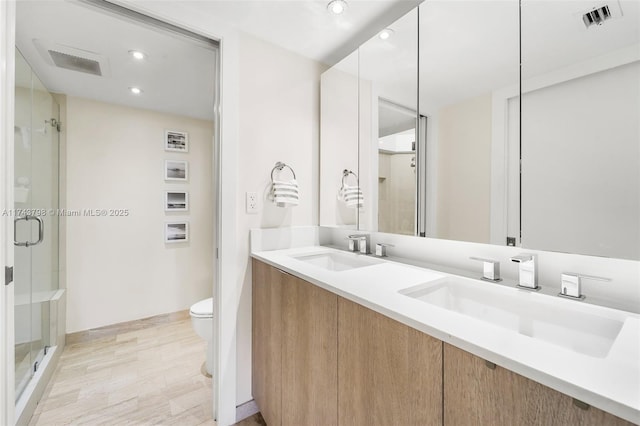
column 490, row 269
column 354, row 244
column 381, row 249
column 571, row 284
column 359, row 243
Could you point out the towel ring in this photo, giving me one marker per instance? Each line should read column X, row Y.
column 280, row 166
column 345, row 175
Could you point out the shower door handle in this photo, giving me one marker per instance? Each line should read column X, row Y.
column 40, row 231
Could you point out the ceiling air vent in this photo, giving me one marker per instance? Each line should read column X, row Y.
column 75, row 63
column 71, row 58
column 598, row 15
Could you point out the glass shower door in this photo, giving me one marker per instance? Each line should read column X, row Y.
column 35, row 220
column 22, row 255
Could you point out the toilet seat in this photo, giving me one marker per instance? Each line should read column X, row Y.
column 202, row 309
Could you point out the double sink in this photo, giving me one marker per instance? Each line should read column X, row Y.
column 538, row 316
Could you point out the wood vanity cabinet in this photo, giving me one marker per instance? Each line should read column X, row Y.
column 320, row 359
column 475, row 394
column 309, row 354
column 294, row 358
column 388, row 373
column 266, row 340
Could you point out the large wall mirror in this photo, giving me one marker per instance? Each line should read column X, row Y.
column 456, row 140
column 387, row 143
column 580, row 127
column 339, row 149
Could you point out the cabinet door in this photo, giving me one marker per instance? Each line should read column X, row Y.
column 309, row 354
column 266, row 341
column 477, row 395
column 388, row 373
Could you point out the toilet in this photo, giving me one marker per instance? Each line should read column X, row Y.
column 202, row 320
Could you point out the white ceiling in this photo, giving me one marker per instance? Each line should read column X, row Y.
column 302, row 26
column 171, row 58
column 305, row 26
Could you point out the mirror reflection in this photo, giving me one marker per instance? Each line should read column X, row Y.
column 548, row 160
column 388, row 103
column 468, row 58
column 339, row 133
column 396, row 168
column 580, row 131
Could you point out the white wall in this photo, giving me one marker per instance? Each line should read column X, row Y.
column 464, row 172
column 581, row 165
column 398, row 142
column 119, row 268
column 279, row 121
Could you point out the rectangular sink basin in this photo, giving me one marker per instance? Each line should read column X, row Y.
column 582, row 332
column 336, row 261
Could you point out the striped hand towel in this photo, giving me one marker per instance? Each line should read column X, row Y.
column 352, row 196
column 285, row 194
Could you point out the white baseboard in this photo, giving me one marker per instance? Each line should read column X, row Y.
column 247, row 409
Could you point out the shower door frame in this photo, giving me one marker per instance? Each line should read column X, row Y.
column 7, row 334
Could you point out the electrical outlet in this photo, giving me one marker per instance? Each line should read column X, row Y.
column 252, row 202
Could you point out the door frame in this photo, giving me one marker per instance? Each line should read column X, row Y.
column 226, row 265
column 7, row 80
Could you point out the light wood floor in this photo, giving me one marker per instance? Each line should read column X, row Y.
column 143, row 376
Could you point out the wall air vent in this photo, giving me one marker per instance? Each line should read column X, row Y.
column 598, row 15
column 75, row 63
column 71, row 58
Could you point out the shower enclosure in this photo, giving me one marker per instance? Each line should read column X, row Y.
column 35, row 215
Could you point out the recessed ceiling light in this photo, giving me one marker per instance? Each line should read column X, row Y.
column 135, row 90
column 386, row 34
column 337, row 6
column 137, row 54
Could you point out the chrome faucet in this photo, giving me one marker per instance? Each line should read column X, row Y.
column 359, row 243
column 528, row 271
column 571, row 284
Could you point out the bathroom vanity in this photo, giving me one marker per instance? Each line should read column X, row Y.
column 347, row 339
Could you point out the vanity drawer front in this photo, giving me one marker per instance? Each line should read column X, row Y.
column 478, row 394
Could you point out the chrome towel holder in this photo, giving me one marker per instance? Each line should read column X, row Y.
column 345, row 175
column 280, row 166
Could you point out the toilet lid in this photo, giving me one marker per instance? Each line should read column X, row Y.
column 203, row 308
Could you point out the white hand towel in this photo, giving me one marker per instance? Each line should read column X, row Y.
column 352, row 196
column 285, row 194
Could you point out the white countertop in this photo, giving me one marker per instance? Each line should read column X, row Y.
column 611, row 383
